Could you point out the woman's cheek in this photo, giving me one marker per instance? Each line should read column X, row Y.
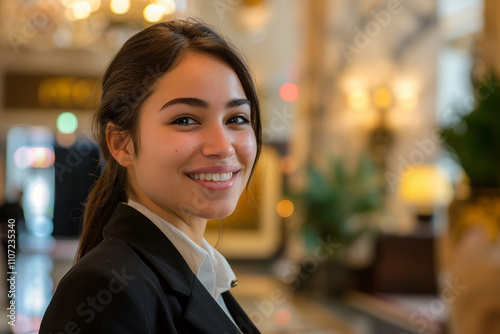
column 252, row 146
column 249, row 147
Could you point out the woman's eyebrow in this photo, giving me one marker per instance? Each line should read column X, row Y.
column 194, row 102
column 236, row 103
column 190, row 101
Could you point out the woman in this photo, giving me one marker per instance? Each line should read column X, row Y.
column 179, row 125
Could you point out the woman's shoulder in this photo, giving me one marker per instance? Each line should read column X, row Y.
column 110, row 259
column 110, row 282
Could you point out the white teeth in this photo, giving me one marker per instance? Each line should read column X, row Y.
column 212, row 176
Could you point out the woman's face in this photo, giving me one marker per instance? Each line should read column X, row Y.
column 197, row 146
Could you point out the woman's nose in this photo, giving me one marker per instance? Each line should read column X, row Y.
column 218, row 142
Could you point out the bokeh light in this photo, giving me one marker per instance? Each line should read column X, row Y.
column 81, row 10
column 382, row 98
column 289, row 92
column 358, row 99
column 67, row 122
column 406, row 93
column 41, row 226
column 285, row 208
column 38, row 194
column 282, row 317
column 119, row 6
column 34, row 156
column 63, row 38
column 43, row 157
column 153, row 12
column 23, row 157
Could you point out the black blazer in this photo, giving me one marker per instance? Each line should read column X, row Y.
column 135, row 281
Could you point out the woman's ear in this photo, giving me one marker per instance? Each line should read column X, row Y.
column 120, row 146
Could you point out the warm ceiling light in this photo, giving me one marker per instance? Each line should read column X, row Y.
column 153, row 12
column 81, row 10
column 119, row 6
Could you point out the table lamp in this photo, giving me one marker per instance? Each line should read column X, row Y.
column 425, row 188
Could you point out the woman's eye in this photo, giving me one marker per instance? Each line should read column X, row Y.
column 238, row 120
column 184, row 121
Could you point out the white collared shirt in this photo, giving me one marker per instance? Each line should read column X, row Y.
column 209, row 266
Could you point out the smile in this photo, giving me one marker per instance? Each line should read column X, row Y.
column 216, row 177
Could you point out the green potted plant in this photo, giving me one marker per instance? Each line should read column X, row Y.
column 341, row 206
column 474, row 141
column 334, row 196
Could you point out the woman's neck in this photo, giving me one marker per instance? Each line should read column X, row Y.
column 192, row 227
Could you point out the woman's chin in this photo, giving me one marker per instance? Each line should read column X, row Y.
column 218, row 213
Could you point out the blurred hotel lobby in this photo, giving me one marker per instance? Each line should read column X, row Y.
column 375, row 205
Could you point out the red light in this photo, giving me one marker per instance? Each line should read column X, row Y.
column 289, row 92
column 282, row 317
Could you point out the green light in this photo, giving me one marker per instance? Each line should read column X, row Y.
column 67, row 122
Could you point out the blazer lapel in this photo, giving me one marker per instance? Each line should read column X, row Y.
column 242, row 320
column 142, row 234
column 205, row 314
column 202, row 310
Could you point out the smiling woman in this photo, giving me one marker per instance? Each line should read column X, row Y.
column 200, row 111
column 179, row 126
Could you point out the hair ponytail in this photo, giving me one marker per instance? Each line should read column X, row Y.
column 109, row 190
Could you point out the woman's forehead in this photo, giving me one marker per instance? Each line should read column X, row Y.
column 200, row 76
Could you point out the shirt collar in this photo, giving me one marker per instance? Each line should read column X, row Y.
column 210, row 266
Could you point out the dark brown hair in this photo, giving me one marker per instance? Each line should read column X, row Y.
column 128, row 81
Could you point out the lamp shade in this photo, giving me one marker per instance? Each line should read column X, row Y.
column 425, row 186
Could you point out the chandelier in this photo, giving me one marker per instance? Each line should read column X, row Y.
column 73, row 24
